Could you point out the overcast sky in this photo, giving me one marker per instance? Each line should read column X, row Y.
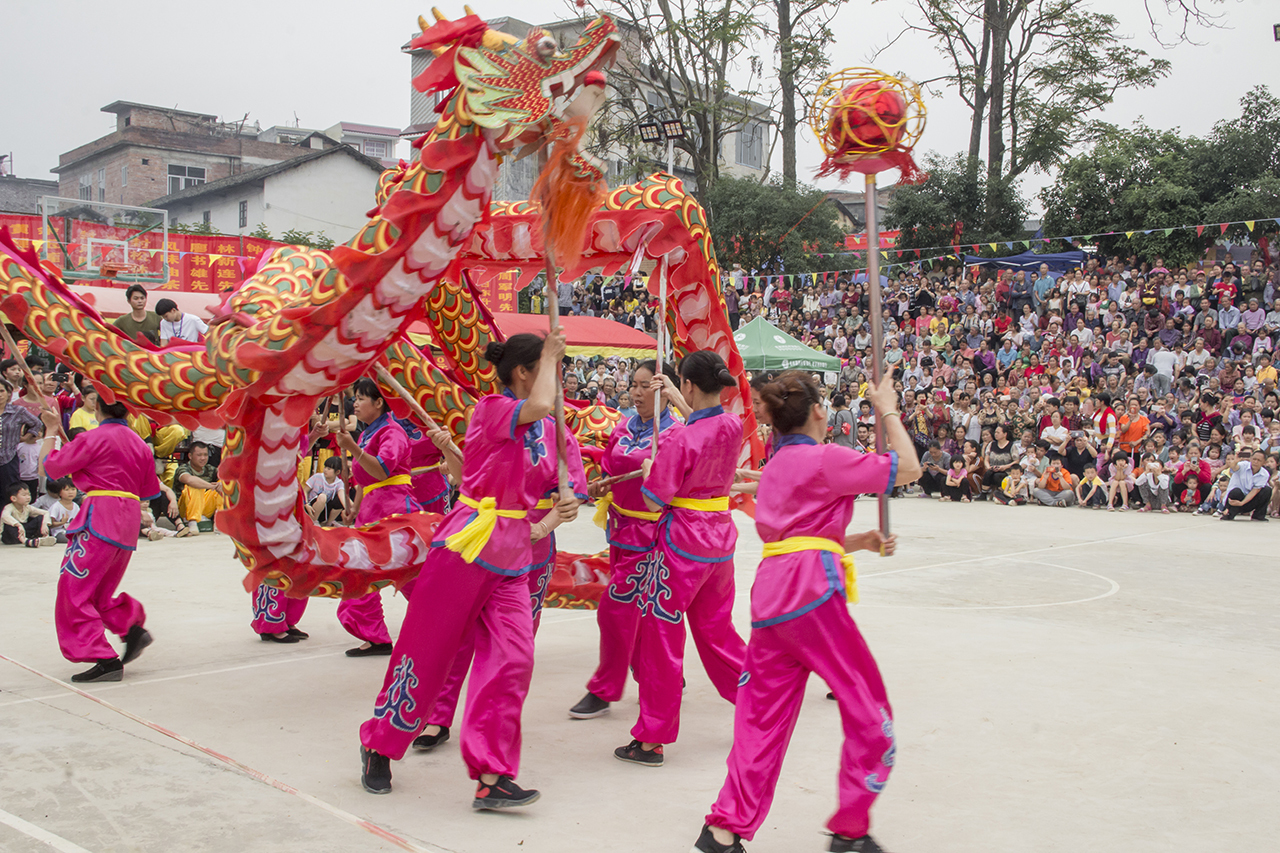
column 327, row 61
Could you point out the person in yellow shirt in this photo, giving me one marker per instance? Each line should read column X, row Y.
column 1266, row 370
column 84, row 418
column 1091, row 491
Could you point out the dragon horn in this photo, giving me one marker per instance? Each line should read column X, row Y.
column 422, row 24
column 439, row 15
column 468, row 10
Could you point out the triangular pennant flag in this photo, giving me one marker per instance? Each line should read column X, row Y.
column 917, row 253
column 1168, row 232
column 1009, row 245
column 1248, row 223
column 993, row 246
column 213, row 259
column 1222, row 227
column 1026, row 244
column 1199, row 230
column 36, row 245
column 1129, row 234
column 1147, row 231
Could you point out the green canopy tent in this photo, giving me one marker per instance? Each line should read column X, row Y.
column 766, row 347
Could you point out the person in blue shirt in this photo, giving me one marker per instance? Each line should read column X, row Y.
column 1044, row 284
column 1249, row 490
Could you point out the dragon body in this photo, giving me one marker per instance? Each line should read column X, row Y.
column 308, row 323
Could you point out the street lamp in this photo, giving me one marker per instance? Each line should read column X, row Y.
column 670, row 130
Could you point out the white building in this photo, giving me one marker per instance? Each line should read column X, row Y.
column 326, row 191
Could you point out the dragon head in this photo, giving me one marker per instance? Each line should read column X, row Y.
column 521, row 90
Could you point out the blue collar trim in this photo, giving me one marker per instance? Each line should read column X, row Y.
column 120, row 421
column 790, row 439
column 640, row 428
column 705, row 413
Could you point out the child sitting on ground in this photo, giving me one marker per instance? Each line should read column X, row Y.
column 23, row 523
column 1014, row 490
column 1190, row 494
column 1217, row 500
column 956, row 487
column 1091, row 491
column 64, row 511
column 326, row 494
column 1153, row 484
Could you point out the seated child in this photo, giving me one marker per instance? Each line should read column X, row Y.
column 1190, row 494
column 1014, row 489
column 326, row 494
column 23, row 523
column 1091, row 491
column 956, row 485
column 64, row 511
column 1216, row 503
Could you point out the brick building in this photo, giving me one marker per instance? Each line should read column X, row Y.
column 156, row 151
column 19, row 195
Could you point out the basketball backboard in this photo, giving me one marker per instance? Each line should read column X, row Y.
column 94, row 240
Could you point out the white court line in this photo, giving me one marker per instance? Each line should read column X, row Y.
column 862, row 575
column 57, row 842
column 140, row 682
column 1114, row 588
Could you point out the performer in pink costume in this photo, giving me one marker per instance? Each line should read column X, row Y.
column 690, row 572
column 115, row 469
column 276, row 616
column 542, row 522
column 428, row 468
column 631, row 530
column 474, row 581
column 800, row 619
column 381, row 470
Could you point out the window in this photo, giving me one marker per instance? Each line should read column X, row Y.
column 207, row 216
column 751, row 145
column 244, row 214
column 86, row 187
column 375, row 149
column 124, row 176
column 146, row 162
column 102, row 185
column 181, row 177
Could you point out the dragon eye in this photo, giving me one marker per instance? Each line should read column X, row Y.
column 546, row 46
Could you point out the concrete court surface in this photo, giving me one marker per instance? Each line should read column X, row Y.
column 1062, row 680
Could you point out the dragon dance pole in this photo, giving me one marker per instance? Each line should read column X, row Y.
column 427, row 420
column 662, row 329
column 877, row 326
column 553, row 313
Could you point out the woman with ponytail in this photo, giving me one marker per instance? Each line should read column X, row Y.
column 473, row 584
column 800, row 620
column 382, row 473
column 690, row 571
column 631, row 530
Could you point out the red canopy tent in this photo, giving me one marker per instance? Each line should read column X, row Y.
column 586, row 335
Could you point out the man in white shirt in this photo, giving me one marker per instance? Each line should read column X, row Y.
column 1249, row 490
column 176, row 326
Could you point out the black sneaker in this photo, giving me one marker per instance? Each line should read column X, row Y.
column 707, row 843
column 636, row 755
column 375, row 771
column 590, row 707
column 107, row 669
column 374, row 649
column 865, row 844
column 135, row 641
column 426, row 743
column 503, row 794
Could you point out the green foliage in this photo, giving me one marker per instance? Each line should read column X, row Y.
column 750, row 220
column 928, row 213
column 1143, row 180
column 205, row 228
column 262, row 232
column 313, row 239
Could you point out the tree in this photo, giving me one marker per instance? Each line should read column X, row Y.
column 803, row 32
column 684, row 52
column 756, row 224
column 1031, row 72
column 952, row 207
column 1143, row 183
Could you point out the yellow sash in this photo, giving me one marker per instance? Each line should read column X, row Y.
column 470, row 540
column 396, row 480
column 604, row 504
column 111, row 493
column 702, row 504
column 796, row 544
column 545, row 503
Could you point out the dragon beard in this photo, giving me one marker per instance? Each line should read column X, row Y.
column 569, row 190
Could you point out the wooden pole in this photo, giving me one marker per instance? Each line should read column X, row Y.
column 877, row 328
column 31, row 379
column 427, row 420
column 553, row 315
column 662, row 334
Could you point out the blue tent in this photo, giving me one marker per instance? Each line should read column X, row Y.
column 1058, row 262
